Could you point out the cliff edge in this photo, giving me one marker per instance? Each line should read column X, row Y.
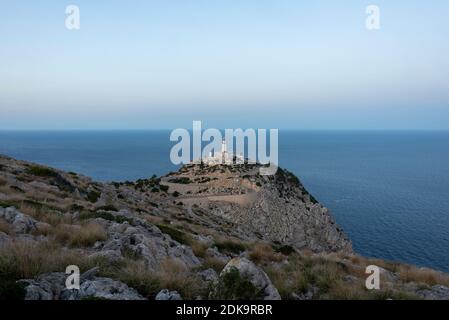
column 203, row 232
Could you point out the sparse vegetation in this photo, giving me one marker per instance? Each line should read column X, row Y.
column 41, row 171
column 175, row 234
column 422, row 275
column 5, row 204
column 171, row 275
column 263, row 253
column 213, row 263
column 231, row 286
column 4, row 226
column 80, row 236
column 198, row 248
column 229, row 246
column 70, row 232
column 181, row 180
column 108, row 207
column 104, row 215
column 93, row 196
column 26, row 260
column 284, row 249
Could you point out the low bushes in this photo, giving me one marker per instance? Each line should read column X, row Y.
column 41, row 171
column 104, row 215
column 264, row 253
column 171, row 275
column 93, row 196
column 231, row 286
column 229, row 246
column 175, row 234
column 80, row 236
column 26, row 260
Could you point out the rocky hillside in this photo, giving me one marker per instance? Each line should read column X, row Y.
column 274, row 208
column 204, row 232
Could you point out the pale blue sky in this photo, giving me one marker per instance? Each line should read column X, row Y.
column 246, row 63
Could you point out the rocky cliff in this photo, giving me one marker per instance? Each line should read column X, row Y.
column 201, row 232
column 274, row 208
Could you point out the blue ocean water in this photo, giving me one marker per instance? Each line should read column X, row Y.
column 388, row 190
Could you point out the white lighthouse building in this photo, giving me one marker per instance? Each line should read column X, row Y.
column 221, row 157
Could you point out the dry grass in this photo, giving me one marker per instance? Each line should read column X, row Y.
column 229, row 246
column 357, row 259
column 153, row 219
column 199, row 248
column 26, row 260
column 136, row 275
column 363, row 262
column 213, row 263
column 171, row 275
column 422, row 275
column 301, row 273
column 347, row 291
column 43, row 212
column 263, row 253
column 287, row 280
column 328, row 274
column 42, row 230
column 4, row 226
column 175, row 276
column 79, row 235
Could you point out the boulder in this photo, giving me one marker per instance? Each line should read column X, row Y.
column 51, row 286
column 144, row 241
column 437, row 292
column 165, row 294
column 208, row 275
column 106, row 288
column 20, row 223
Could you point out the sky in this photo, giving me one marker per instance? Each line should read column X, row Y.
column 286, row 64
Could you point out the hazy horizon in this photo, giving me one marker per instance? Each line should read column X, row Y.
column 189, row 129
column 150, row 65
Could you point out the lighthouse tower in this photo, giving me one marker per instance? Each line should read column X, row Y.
column 223, row 151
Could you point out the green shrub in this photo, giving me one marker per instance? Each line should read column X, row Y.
column 175, row 234
column 229, row 246
column 41, row 171
column 181, row 180
column 163, row 187
column 104, row 215
column 285, row 249
column 108, row 207
column 233, row 286
column 93, row 196
column 5, row 204
column 76, row 207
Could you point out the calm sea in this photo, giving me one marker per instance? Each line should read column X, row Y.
column 388, row 190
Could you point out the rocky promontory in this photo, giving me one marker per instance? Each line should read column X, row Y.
column 202, row 232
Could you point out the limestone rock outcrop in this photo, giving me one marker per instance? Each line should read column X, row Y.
column 52, row 286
